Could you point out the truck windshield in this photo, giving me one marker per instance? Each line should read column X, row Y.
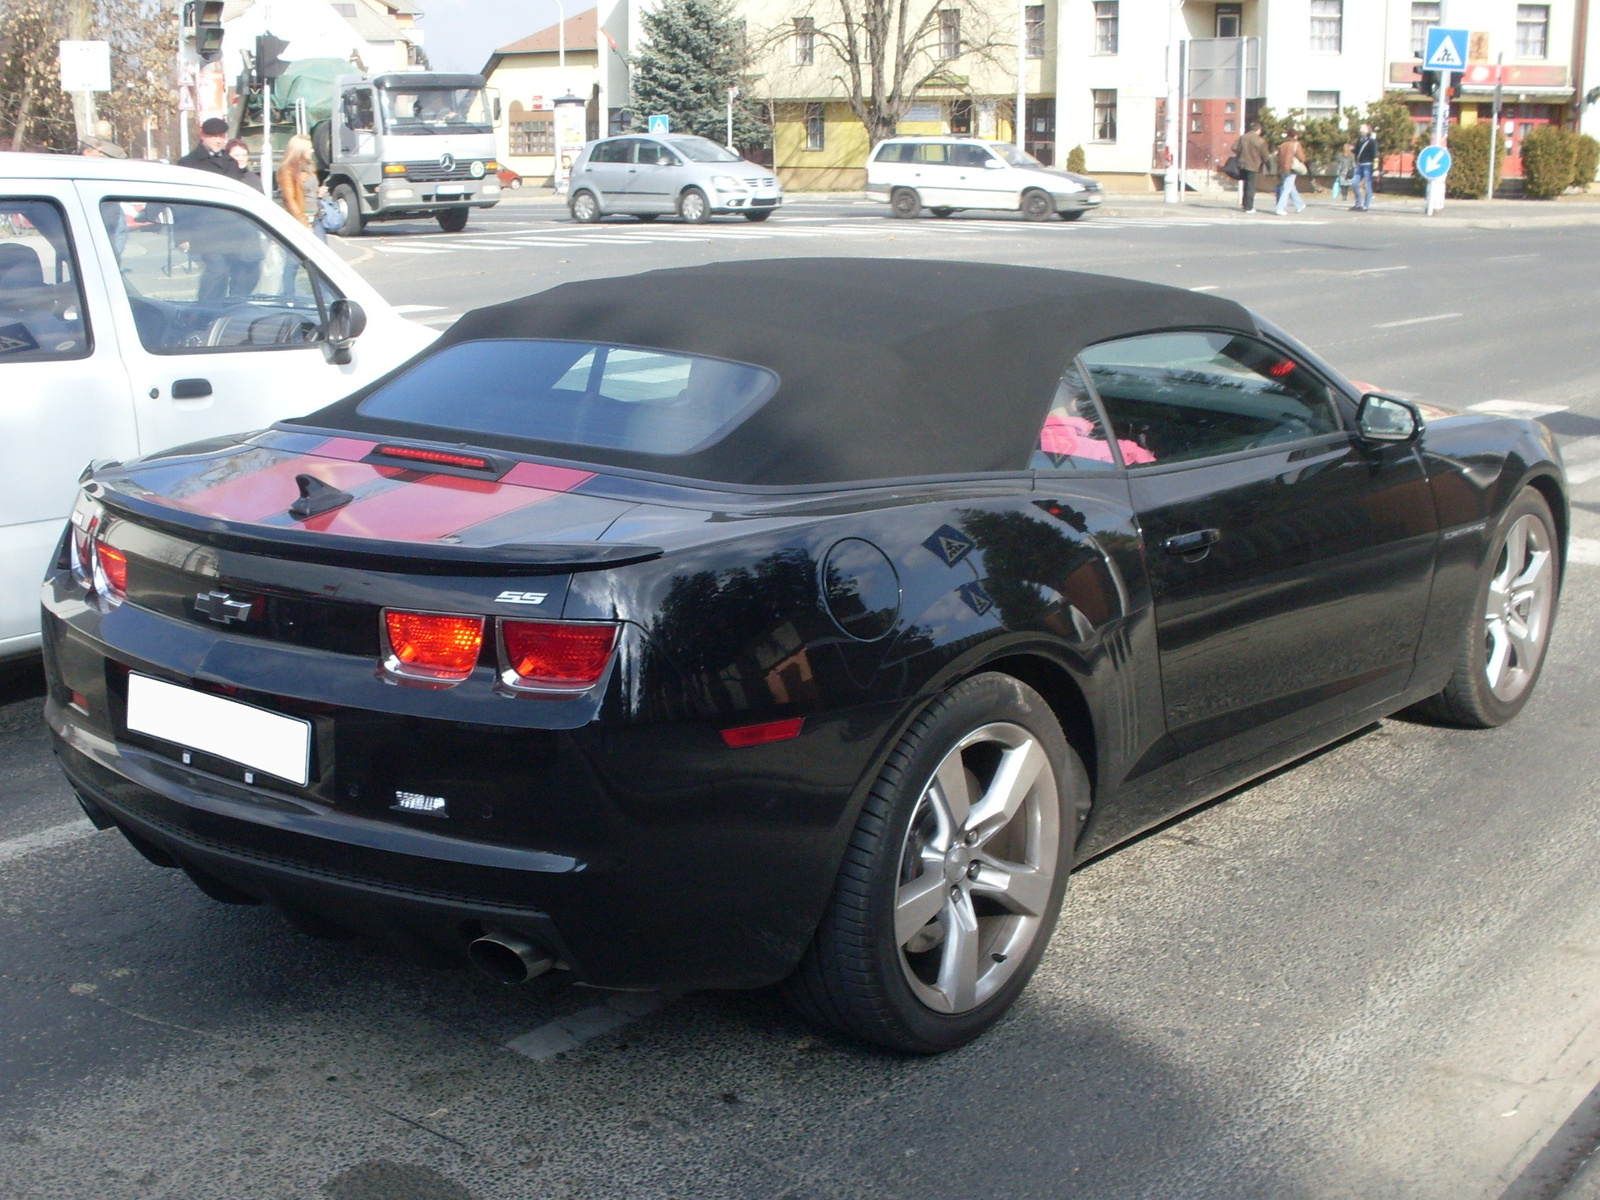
column 436, row 110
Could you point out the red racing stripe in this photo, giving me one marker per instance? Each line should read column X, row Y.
column 551, row 479
column 270, row 490
column 431, row 507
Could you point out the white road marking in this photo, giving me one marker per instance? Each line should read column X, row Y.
column 1416, row 320
column 412, row 249
column 1582, row 457
column 1206, row 287
column 570, row 1032
column 44, row 839
column 1518, row 408
column 1584, row 550
column 406, row 309
column 1382, row 270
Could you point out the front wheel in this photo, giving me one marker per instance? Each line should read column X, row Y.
column 905, row 203
column 453, row 220
column 1075, row 214
column 953, row 877
column 1502, row 646
column 349, row 209
column 693, row 207
column 761, row 215
column 1037, row 205
column 585, row 209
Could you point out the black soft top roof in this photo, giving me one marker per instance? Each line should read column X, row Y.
column 888, row 368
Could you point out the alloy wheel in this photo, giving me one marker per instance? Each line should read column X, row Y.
column 1517, row 617
column 977, row 868
column 693, row 207
column 585, row 208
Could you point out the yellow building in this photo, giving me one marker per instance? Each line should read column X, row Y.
column 529, row 77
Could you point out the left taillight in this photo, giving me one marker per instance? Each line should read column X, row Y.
column 100, row 569
column 438, row 648
column 110, row 572
column 555, row 656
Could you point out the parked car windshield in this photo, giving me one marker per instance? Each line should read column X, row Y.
column 699, row 149
column 1017, row 158
column 575, row 393
column 418, row 110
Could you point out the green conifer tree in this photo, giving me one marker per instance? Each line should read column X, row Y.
column 694, row 51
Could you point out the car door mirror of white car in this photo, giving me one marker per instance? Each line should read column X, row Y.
column 345, row 323
column 1387, row 418
column 993, row 164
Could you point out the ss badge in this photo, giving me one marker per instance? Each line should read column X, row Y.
column 521, row 597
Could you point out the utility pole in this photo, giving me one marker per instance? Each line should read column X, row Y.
column 1169, row 191
column 83, row 102
column 733, row 94
column 1020, row 125
column 1495, row 138
column 1441, row 135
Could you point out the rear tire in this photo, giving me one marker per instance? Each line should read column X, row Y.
column 905, row 203
column 646, row 218
column 350, row 206
column 952, row 879
column 1075, row 215
column 941, row 212
column 1503, row 641
column 453, row 220
column 693, row 206
column 1037, row 205
column 585, row 209
column 758, row 216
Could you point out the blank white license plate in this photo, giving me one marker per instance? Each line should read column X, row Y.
column 252, row 737
column 455, row 189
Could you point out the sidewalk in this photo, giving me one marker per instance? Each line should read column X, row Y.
column 1386, row 207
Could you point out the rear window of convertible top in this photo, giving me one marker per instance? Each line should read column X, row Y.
column 576, row 393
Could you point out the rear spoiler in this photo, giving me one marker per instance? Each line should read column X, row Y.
column 424, row 558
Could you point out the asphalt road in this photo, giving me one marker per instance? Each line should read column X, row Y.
column 1375, row 974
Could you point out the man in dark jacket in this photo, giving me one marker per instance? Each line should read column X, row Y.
column 229, row 249
column 1366, row 163
column 1253, row 159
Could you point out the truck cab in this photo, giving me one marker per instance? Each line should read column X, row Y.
column 410, row 144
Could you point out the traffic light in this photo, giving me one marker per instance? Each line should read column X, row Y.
column 202, row 24
column 270, row 63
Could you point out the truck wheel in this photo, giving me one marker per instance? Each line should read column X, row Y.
column 349, row 208
column 905, row 203
column 693, row 206
column 1037, row 205
column 453, row 220
column 585, row 209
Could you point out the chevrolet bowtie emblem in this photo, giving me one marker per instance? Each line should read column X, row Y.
column 222, row 608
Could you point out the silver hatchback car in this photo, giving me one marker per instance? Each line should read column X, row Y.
column 673, row 173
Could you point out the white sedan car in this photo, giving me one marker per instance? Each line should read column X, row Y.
column 144, row 306
column 950, row 174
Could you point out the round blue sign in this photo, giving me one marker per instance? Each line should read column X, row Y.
column 1433, row 162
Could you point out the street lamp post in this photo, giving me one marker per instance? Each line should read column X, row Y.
column 733, row 94
column 1019, row 125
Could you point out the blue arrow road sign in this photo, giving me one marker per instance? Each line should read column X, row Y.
column 1447, row 50
column 660, row 123
column 1433, row 162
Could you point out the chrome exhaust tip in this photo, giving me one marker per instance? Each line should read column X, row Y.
column 509, row 957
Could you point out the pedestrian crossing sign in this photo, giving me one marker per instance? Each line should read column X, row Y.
column 1447, row 50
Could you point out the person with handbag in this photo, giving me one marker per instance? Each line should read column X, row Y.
column 1291, row 165
column 1253, row 155
column 299, row 190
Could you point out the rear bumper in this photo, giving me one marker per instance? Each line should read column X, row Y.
column 642, row 855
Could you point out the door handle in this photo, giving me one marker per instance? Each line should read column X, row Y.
column 1196, row 542
column 190, row 389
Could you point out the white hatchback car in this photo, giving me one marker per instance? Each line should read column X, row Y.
column 949, row 174
column 144, row 306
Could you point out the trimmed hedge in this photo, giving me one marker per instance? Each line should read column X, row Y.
column 1077, row 163
column 1549, row 161
column 1469, row 168
column 1588, row 160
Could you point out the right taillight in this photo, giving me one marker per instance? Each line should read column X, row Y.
column 432, row 647
column 555, row 656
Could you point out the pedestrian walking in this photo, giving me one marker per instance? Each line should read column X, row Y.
column 1366, row 155
column 1344, row 177
column 299, row 191
column 1291, row 165
column 1253, row 154
column 240, row 153
column 211, row 154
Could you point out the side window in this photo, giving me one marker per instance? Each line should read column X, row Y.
column 1194, row 394
column 41, row 303
column 896, row 152
column 358, row 109
column 968, row 156
column 1073, row 437
column 653, row 153
column 619, row 151
column 205, row 277
column 933, row 153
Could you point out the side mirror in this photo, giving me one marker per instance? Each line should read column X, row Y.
column 993, row 164
column 497, row 110
column 346, row 322
column 1387, row 419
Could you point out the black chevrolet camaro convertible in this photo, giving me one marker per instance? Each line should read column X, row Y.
column 786, row 621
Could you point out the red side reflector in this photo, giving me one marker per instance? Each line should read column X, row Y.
column 438, row 458
column 114, row 566
column 760, row 735
column 433, row 645
column 80, row 702
column 557, row 655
